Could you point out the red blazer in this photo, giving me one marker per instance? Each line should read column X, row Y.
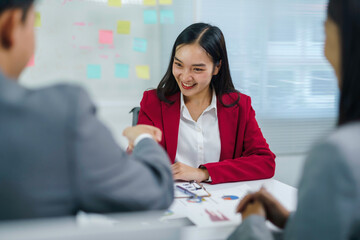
column 244, row 155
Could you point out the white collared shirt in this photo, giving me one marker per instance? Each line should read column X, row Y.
column 198, row 142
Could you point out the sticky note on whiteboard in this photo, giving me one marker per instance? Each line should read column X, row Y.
column 123, row 27
column 93, row 71
column 106, row 37
column 140, row 45
column 150, row 17
column 37, row 19
column 165, row 2
column 114, row 3
column 143, row 71
column 122, row 70
column 149, row 2
column 31, row 62
column 167, row 17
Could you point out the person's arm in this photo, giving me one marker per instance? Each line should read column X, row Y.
column 143, row 118
column 256, row 162
column 326, row 197
column 106, row 178
column 253, row 228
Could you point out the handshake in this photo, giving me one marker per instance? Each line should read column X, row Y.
column 132, row 133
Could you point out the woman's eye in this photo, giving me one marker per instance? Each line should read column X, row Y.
column 178, row 64
column 198, row 69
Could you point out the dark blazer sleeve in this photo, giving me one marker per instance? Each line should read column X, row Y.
column 107, row 179
column 250, row 158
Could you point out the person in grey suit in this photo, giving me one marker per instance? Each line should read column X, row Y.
column 329, row 192
column 56, row 157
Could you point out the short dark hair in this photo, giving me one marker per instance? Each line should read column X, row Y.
column 346, row 14
column 212, row 40
column 11, row 4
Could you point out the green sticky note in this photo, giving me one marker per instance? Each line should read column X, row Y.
column 93, row 71
column 140, row 45
column 150, row 17
column 167, row 17
column 122, row 70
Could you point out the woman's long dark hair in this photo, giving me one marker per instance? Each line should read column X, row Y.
column 212, row 40
column 346, row 14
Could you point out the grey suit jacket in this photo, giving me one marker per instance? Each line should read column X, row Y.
column 328, row 196
column 57, row 158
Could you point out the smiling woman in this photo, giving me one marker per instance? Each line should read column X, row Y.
column 209, row 128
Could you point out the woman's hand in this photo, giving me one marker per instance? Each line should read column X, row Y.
column 184, row 172
column 275, row 212
column 131, row 133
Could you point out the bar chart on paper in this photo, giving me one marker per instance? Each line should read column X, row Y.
column 216, row 210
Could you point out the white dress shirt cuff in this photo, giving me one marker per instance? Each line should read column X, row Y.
column 141, row 137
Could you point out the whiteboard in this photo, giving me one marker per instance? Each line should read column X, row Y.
column 85, row 42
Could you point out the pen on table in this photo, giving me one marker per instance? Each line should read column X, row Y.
column 196, row 185
column 184, row 190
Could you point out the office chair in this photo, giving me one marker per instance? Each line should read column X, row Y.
column 135, row 115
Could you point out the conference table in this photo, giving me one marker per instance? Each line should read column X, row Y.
column 215, row 218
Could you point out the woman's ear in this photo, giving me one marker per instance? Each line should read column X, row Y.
column 217, row 68
column 6, row 29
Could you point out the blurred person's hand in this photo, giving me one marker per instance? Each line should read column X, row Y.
column 254, row 207
column 131, row 133
column 275, row 212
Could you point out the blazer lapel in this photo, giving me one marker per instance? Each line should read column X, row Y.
column 171, row 121
column 228, row 118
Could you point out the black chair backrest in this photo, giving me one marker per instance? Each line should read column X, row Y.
column 135, row 115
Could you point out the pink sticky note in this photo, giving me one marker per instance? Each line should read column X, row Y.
column 106, row 37
column 31, row 62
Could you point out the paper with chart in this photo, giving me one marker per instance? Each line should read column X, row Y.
column 219, row 209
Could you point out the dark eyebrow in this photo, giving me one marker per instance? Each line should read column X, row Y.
column 177, row 59
column 195, row 65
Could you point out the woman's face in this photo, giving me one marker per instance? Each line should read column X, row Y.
column 333, row 47
column 193, row 69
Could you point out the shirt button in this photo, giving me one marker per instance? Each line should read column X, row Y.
column 200, row 147
column 198, row 129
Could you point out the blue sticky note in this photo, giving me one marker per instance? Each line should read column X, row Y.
column 93, row 71
column 167, row 17
column 150, row 17
column 122, row 70
column 140, row 45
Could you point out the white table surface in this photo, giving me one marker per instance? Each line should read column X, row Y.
column 286, row 194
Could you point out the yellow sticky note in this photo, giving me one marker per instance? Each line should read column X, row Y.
column 149, row 2
column 123, row 27
column 143, row 71
column 37, row 19
column 165, row 2
column 114, row 3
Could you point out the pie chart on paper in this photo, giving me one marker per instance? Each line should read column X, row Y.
column 230, row 197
